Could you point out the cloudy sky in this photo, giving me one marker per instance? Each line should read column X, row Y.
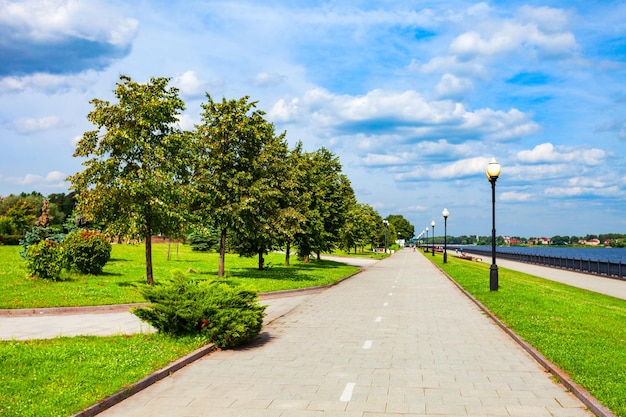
column 415, row 97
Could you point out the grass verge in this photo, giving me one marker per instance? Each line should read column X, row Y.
column 60, row 377
column 580, row 331
column 126, row 269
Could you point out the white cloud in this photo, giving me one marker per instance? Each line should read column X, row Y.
column 189, row 84
column 402, row 110
column 451, row 86
column 50, row 180
column 265, row 79
column 28, row 125
column 48, row 83
column 548, row 153
column 512, row 196
column 53, row 20
column 458, row 169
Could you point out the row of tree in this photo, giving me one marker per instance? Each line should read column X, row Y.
column 18, row 213
column 144, row 176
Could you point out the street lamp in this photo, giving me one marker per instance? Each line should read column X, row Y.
column 426, row 239
column 445, row 214
column 433, row 225
column 493, row 172
column 386, row 224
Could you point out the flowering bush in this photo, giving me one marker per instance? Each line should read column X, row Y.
column 86, row 251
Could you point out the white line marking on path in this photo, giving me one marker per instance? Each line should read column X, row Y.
column 347, row 392
column 378, row 319
column 385, row 304
column 390, row 293
column 368, row 344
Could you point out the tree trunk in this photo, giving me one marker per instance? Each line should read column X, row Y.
column 306, row 259
column 319, row 256
column 220, row 270
column 149, row 277
column 287, row 248
column 169, row 245
column 261, row 260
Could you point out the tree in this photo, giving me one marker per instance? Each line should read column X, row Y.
column 404, row 229
column 293, row 203
column 263, row 217
column 361, row 227
column 232, row 149
column 329, row 196
column 135, row 175
column 21, row 216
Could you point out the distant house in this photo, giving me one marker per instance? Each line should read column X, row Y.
column 511, row 241
column 539, row 241
column 590, row 242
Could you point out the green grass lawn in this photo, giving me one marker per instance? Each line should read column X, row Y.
column 580, row 331
column 62, row 376
column 126, row 270
column 59, row 377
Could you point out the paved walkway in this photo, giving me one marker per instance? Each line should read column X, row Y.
column 399, row 339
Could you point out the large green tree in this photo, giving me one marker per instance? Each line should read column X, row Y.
column 136, row 163
column 404, row 229
column 329, row 197
column 236, row 174
column 361, row 227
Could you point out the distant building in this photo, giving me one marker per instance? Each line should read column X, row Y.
column 590, row 242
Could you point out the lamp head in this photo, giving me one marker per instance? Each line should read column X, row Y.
column 432, row 223
column 493, row 170
column 445, row 213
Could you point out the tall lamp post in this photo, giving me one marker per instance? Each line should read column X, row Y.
column 426, row 239
column 445, row 214
column 386, row 224
column 433, row 226
column 493, row 172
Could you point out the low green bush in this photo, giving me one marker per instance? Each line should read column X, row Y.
column 45, row 259
column 86, row 251
column 227, row 316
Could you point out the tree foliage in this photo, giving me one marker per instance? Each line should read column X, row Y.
column 136, row 163
column 239, row 163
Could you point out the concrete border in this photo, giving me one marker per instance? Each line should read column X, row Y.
column 582, row 394
column 144, row 383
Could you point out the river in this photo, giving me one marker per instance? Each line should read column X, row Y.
column 594, row 254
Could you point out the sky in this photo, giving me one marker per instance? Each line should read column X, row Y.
column 414, row 97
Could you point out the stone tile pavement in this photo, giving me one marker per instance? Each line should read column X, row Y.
column 398, row 339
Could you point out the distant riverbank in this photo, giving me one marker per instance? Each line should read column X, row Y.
column 594, row 254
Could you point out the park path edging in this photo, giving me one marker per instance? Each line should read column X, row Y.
column 581, row 393
column 166, row 371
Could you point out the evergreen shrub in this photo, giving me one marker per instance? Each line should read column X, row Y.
column 86, row 251
column 227, row 316
column 45, row 259
column 203, row 240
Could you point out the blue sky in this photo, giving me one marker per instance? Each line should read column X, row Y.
column 415, row 97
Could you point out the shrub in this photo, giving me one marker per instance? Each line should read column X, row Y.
column 226, row 316
column 45, row 259
column 204, row 240
column 38, row 234
column 86, row 251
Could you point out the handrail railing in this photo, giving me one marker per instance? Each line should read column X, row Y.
column 587, row 266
